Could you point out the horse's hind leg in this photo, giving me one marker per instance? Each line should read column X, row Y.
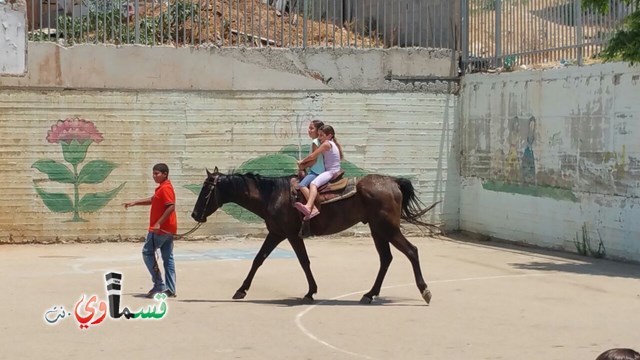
column 267, row 247
column 384, row 252
column 301, row 253
column 411, row 252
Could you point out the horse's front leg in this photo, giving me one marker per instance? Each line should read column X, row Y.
column 301, row 253
column 269, row 244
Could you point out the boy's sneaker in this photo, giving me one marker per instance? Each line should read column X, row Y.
column 153, row 293
column 169, row 293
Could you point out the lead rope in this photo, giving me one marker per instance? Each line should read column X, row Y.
column 156, row 256
column 180, row 236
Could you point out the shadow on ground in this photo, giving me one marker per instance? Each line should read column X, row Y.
column 291, row 302
column 575, row 263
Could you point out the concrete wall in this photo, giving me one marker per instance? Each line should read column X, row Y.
column 407, row 134
column 167, row 68
column 547, row 154
column 231, row 108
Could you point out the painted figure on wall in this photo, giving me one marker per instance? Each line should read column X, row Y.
column 512, row 160
column 528, row 158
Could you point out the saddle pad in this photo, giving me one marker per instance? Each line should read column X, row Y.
column 334, row 186
column 348, row 191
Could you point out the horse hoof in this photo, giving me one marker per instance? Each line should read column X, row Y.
column 239, row 295
column 365, row 300
column 307, row 300
column 426, row 295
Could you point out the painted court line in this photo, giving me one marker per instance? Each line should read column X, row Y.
column 313, row 337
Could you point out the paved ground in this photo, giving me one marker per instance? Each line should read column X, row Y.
column 490, row 302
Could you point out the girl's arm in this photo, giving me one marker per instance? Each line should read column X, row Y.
column 308, row 161
column 301, row 172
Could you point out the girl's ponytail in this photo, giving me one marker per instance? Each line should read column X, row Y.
column 339, row 147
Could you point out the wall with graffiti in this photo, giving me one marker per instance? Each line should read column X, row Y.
column 553, row 158
column 70, row 159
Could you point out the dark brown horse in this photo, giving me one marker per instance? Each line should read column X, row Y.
column 380, row 201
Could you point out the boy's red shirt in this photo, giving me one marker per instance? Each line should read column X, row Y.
column 163, row 196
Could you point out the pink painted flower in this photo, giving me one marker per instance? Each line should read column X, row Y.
column 73, row 129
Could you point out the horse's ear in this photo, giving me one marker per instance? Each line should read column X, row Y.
column 215, row 170
column 208, row 173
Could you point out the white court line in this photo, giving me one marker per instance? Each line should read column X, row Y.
column 310, row 335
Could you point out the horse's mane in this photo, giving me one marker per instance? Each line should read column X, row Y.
column 267, row 186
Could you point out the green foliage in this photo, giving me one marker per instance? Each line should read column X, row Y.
column 510, row 62
column 583, row 245
column 41, row 35
column 603, row 5
column 625, row 43
column 109, row 25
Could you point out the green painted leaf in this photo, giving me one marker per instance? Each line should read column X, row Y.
column 96, row 201
column 236, row 211
column 56, row 171
column 95, row 172
column 194, row 188
column 270, row 165
column 239, row 213
column 292, row 151
column 352, row 170
column 296, row 152
column 75, row 152
column 56, row 202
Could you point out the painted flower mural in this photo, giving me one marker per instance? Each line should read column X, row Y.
column 75, row 135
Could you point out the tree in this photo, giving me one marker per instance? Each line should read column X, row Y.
column 625, row 43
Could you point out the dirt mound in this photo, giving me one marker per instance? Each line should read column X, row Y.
column 250, row 23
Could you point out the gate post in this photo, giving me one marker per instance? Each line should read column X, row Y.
column 464, row 34
column 577, row 9
column 498, row 34
column 304, row 23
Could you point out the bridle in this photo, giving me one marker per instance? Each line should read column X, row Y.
column 212, row 189
column 212, row 192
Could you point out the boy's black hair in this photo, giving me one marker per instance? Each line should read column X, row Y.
column 162, row 167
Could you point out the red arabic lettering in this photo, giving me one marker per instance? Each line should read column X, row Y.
column 83, row 320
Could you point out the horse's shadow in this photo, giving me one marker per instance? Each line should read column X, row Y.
column 292, row 302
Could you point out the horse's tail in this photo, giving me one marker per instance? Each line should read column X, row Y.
column 412, row 209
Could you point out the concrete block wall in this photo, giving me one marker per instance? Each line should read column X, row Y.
column 552, row 158
column 199, row 108
column 395, row 133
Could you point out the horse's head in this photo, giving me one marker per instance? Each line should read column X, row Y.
column 209, row 199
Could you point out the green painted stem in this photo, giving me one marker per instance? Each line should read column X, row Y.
column 76, row 193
